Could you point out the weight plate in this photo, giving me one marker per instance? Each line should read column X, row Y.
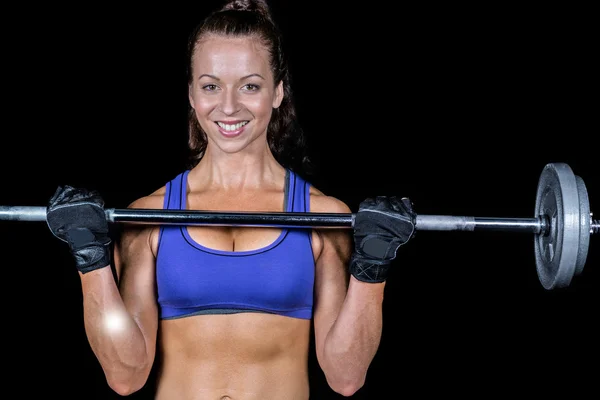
column 557, row 251
column 585, row 227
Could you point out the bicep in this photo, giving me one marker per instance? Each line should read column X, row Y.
column 331, row 282
column 135, row 269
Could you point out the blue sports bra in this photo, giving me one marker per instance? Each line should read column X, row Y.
column 193, row 279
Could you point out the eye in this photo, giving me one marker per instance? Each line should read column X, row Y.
column 210, row 87
column 251, row 87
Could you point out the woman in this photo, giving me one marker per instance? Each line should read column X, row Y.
column 227, row 311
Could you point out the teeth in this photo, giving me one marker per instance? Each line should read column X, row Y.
column 234, row 127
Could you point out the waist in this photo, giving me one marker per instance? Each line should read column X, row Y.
column 273, row 380
column 243, row 356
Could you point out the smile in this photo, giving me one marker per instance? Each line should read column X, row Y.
column 232, row 127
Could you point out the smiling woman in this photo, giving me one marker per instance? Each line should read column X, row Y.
column 229, row 312
column 238, row 64
column 233, row 91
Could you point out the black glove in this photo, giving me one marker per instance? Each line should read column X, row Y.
column 381, row 226
column 77, row 217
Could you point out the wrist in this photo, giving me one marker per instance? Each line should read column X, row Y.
column 368, row 270
column 93, row 256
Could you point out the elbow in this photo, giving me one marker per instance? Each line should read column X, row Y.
column 121, row 388
column 125, row 388
column 344, row 386
column 343, row 375
column 125, row 384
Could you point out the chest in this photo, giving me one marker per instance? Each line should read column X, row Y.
column 235, row 238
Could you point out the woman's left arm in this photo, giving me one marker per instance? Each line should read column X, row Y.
column 348, row 312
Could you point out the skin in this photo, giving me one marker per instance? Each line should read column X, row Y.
column 245, row 356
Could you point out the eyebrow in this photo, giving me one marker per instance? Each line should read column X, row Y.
column 243, row 78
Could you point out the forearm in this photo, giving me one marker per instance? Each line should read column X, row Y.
column 354, row 338
column 114, row 336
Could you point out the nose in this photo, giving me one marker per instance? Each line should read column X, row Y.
column 230, row 102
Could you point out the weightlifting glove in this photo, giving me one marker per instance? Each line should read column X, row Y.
column 77, row 217
column 381, row 226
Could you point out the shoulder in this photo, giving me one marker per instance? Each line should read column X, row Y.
column 151, row 200
column 323, row 203
column 155, row 199
column 135, row 238
column 332, row 247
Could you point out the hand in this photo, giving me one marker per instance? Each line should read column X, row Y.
column 381, row 226
column 77, row 217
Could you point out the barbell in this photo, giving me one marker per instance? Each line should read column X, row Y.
column 562, row 223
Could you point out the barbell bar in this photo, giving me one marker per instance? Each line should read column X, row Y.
column 282, row 219
column 562, row 222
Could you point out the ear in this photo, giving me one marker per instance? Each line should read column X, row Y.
column 190, row 97
column 278, row 98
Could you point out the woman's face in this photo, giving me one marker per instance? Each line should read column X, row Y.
column 233, row 92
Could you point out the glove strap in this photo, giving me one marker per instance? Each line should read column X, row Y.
column 367, row 270
column 90, row 253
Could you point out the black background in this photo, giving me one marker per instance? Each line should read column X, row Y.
column 458, row 108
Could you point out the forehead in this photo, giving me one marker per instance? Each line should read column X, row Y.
column 224, row 54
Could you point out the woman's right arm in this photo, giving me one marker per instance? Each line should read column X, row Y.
column 121, row 319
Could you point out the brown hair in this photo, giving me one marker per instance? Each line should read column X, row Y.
column 286, row 138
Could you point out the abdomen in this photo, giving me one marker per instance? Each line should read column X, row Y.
column 243, row 356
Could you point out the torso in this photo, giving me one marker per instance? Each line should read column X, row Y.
column 243, row 356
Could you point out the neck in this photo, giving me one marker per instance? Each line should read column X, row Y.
column 236, row 171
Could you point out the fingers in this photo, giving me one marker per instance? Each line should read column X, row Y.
column 379, row 202
column 408, row 205
column 56, row 196
column 69, row 194
column 369, row 203
column 394, row 203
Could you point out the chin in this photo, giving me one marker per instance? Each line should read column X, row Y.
column 232, row 147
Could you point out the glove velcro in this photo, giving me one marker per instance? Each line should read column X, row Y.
column 90, row 252
column 369, row 270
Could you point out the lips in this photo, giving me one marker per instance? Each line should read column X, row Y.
column 231, row 128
